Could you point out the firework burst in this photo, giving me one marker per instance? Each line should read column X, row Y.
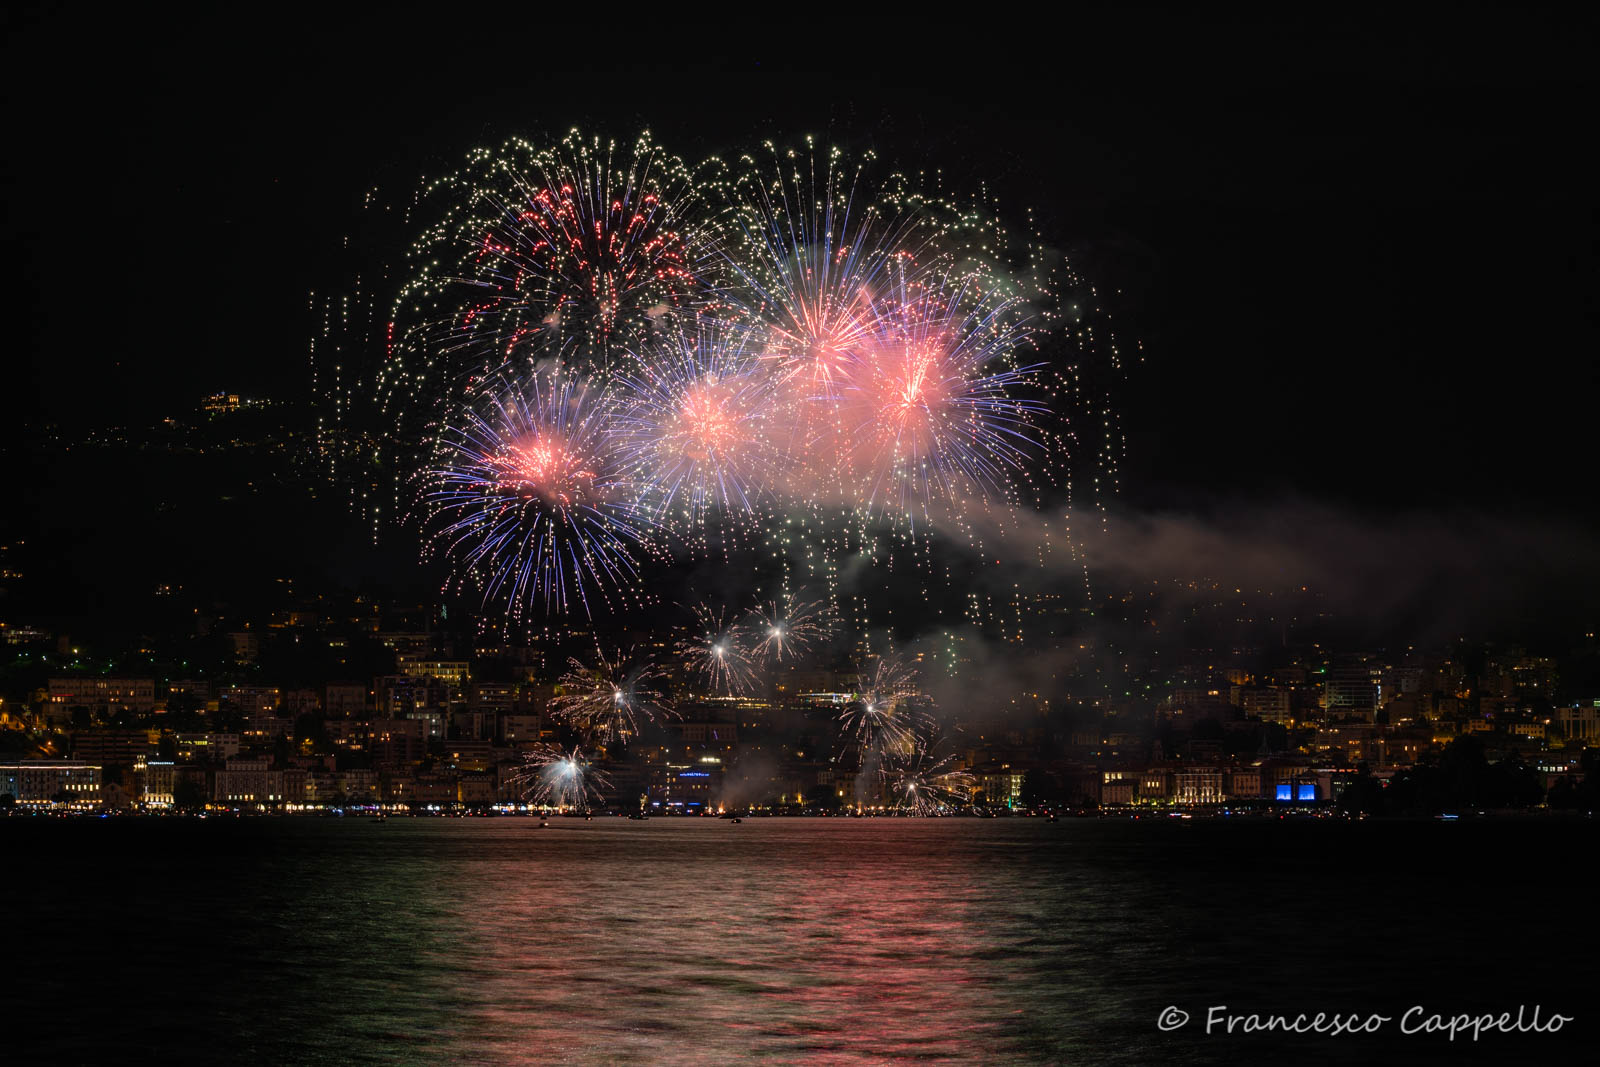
column 580, row 248
column 715, row 654
column 694, row 422
column 935, row 413
column 606, row 700
column 786, row 628
column 530, row 497
column 553, row 777
column 596, row 240
column 883, row 721
column 928, row 784
column 788, row 350
column 807, row 246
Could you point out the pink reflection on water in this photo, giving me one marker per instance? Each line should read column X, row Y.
column 698, row 942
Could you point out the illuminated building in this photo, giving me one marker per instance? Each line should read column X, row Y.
column 1116, row 791
column 1197, row 785
column 22, row 635
column 297, row 786
column 1244, row 784
column 1155, row 785
column 159, row 778
column 253, row 699
column 44, row 782
column 102, row 696
column 408, row 645
column 1580, row 722
column 470, row 754
column 398, row 742
column 1000, row 786
column 1352, row 692
column 359, row 785
column 247, row 780
column 414, row 696
column 103, row 747
column 1268, row 705
column 688, row 787
column 206, row 747
column 476, row 789
column 456, row 673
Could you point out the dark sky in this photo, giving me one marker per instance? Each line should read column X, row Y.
column 1358, row 249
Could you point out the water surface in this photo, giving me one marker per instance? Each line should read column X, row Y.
column 333, row 941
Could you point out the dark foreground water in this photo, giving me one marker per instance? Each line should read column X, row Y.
column 833, row 941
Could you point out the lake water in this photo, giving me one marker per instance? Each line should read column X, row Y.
column 305, row 940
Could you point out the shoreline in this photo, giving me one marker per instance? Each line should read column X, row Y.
column 1267, row 815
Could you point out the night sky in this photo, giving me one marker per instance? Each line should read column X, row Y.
column 1357, row 253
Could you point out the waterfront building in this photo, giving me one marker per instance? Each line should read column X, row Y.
column 39, row 783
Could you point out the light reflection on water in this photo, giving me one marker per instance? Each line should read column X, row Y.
column 841, row 941
column 700, row 941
